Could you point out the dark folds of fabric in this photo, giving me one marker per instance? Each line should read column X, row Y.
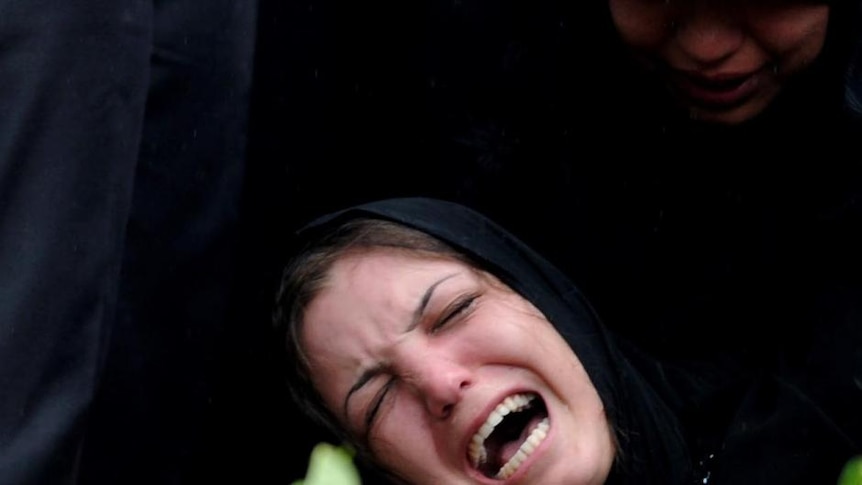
column 122, row 150
column 73, row 85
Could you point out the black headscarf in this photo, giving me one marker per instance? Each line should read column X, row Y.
column 674, row 424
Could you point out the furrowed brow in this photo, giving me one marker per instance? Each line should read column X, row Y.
column 423, row 303
column 370, row 373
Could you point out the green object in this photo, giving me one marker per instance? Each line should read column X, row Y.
column 852, row 473
column 331, row 465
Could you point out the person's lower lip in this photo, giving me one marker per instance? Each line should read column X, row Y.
column 718, row 97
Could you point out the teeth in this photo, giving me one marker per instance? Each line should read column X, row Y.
column 476, row 450
column 539, row 433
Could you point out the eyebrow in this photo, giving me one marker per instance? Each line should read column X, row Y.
column 368, row 374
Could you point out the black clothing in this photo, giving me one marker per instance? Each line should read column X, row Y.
column 676, row 423
column 122, row 148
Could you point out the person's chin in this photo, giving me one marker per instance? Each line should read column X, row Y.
column 728, row 118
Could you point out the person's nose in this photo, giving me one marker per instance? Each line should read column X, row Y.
column 440, row 383
column 708, row 34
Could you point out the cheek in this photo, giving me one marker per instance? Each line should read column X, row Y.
column 404, row 443
column 794, row 36
column 642, row 24
column 331, row 380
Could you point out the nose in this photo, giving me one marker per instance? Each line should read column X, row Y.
column 708, row 33
column 440, row 383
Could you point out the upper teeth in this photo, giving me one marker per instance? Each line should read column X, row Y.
column 476, row 450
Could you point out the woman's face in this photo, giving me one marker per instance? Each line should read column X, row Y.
column 724, row 60
column 451, row 376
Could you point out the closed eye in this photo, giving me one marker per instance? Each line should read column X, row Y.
column 374, row 407
column 458, row 308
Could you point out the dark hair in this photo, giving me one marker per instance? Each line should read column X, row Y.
column 307, row 274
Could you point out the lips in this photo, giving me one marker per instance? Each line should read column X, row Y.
column 722, row 91
column 509, row 435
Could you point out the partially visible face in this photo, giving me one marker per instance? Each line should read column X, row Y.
column 453, row 377
column 724, row 60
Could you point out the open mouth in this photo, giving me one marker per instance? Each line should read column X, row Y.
column 510, row 434
column 717, row 85
column 723, row 92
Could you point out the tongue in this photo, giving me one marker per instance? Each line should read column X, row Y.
column 508, row 450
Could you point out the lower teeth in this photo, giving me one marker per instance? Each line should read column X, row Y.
column 526, row 449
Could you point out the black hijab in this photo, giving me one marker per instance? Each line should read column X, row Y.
column 674, row 424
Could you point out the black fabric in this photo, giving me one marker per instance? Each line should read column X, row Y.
column 178, row 276
column 73, row 84
column 692, row 422
column 122, row 148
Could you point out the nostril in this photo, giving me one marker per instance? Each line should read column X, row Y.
column 446, row 411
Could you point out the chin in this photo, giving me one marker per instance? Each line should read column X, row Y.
column 731, row 116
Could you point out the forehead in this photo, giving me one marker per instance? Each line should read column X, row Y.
column 378, row 281
column 367, row 271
